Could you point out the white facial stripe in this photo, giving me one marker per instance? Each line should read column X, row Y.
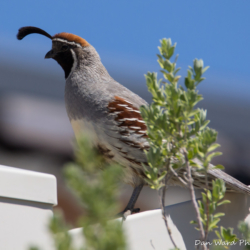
column 74, row 63
column 65, row 41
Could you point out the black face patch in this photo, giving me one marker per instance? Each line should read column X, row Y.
column 66, row 60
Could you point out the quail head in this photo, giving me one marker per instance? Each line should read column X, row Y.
column 100, row 106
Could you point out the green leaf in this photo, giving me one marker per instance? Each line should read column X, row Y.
column 204, row 125
column 162, row 175
column 169, row 76
column 204, row 197
column 219, row 215
column 228, row 235
column 213, row 147
column 212, row 155
column 195, row 164
column 218, row 234
column 216, row 192
column 205, row 69
column 176, row 71
column 213, row 224
column 171, row 51
column 168, row 65
column 189, row 83
column 209, row 195
column 193, row 112
column 223, row 202
column 218, row 167
column 193, row 222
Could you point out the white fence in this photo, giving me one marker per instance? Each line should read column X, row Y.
column 27, row 199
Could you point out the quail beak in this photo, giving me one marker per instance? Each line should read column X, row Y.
column 50, row 54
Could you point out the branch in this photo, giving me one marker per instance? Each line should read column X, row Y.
column 207, row 211
column 191, row 187
column 177, row 176
column 162, row 199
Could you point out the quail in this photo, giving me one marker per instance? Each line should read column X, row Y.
column 109, row 112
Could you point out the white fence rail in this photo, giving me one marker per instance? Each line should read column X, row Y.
column 27, row 199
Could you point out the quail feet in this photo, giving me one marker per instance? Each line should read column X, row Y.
column 130, row 206
column 126, row 212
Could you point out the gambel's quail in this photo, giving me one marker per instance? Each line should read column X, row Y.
column 98, row 105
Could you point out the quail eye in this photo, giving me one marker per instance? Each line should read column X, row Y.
column 64, row 47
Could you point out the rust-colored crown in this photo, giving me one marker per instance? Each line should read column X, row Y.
column 24, row 31
column 71, row 38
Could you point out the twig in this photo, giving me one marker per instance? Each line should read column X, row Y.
column 176, row 175
column 191, row 187
column 162, row 198
column 169, row 167
column 207, row 210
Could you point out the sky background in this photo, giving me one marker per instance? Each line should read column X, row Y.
column 126, row 35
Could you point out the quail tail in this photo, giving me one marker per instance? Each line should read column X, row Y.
column 232, row 184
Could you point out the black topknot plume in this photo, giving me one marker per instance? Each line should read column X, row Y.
column 24, row 31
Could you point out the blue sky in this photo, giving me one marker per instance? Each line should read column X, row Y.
column 126, row 34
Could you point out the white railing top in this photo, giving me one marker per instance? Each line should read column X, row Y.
column 27, row 185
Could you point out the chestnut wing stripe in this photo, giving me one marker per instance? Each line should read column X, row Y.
column 128, row 117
